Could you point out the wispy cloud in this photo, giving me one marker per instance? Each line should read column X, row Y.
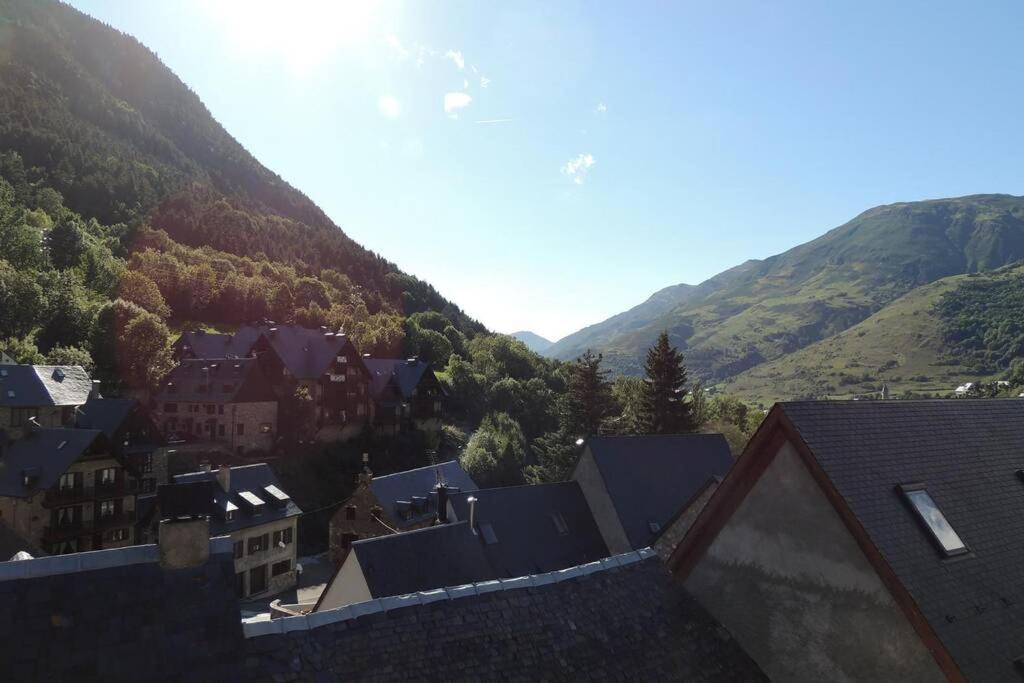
column 601, row 108
column 456, row 57
column 484, row 81
column 577, row 169
column 454, row 101
column 389, row 107
column 494, row 121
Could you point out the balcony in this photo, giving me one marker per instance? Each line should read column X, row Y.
column 59, row 496
column 82, row 527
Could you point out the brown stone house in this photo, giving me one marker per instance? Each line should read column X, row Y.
column 636, row 485
column 227, row 402
column 64, row 490
column 870, row 540
column 393, row 503
column 49, row 394
column 407, row 395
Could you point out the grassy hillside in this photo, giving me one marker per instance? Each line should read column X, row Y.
column 764, row 310
column 910, row 345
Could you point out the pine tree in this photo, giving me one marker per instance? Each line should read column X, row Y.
column 665, row 409
column 588, row 399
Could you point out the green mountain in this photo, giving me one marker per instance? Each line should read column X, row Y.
column 765, row 310
column 533, row 341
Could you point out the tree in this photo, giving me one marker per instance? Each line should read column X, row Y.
column 67, row 315
column 665, row 409
column 496, row 453
column 297, row 415
column 557, row 453
column 20, row 302
column 70, row 355
column 139, row 289
column 588, row 399
column 65, row 243
column 629, row 393
column 22, row 350
column 131, row 346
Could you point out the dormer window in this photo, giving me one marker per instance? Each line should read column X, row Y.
column 932, row 518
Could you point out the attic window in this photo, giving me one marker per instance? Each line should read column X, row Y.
column 490, row 538
column 654, row 527
column 929, row 514
column 560, row 526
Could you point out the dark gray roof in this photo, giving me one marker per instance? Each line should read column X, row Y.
column 307, row 352
column 46, row 453
column 251, row 478
column 404, row 375
column 218, row 380
column 43, row 385
column 105, row 414
column 523, row 521
column 617, row 621
column 116, row 615
column 966, row 453
column 402, row 486
column 650, row 477
column 203, row 344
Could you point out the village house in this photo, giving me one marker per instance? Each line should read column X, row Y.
column 392, row 503
column 63, row 490
column 47, row 394
column 248, row 504
column 870, row 540
column 636, row 485
column 226, row 402
column 407, row 395
column 489, row 534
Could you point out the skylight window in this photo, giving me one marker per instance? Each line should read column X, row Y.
column 928, row 512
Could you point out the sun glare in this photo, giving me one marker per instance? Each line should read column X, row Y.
column 302, row 33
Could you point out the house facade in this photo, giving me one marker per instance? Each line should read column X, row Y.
column 247, row 504
column 226, row 402
column 47, row 394
column 406, row 393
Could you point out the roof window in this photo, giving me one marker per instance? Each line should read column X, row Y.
column 931, row 517
column 560, row 526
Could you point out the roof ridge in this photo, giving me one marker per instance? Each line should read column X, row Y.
column 417, row 469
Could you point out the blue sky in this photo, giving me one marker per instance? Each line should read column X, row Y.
column 549, row 164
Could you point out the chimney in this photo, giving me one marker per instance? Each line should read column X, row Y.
column 366, row 475
column 183, row 543
column 95, row 391
column 204, row 466
column 472, row 513
column 442, row 503
column 224, row 478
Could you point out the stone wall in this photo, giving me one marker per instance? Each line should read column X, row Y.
column 676, row 530
column 363, row 526
column 257, row 420
column 789, row 581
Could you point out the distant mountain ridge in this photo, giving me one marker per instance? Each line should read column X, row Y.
column 533, row 341
column 763, row 310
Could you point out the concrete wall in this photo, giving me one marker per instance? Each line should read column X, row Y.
column 348, row 587
column 675, row 531
column 788, row 580
column 268, row 557
column 594, row 490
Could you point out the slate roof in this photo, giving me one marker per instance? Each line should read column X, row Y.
column 47, row 453
column 523, row 520
column 307, row 352
column 251, row 478
column 404, row 375
column 966, row 453
column 203, row 344
column 116, row 615
column 402, row 486
column 528, row 541
column 622, row 619
column 43, row 385
column 226, row 380
column 105, row 414
column 650, row 477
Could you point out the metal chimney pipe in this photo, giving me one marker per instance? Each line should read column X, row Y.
column 472, row 512
column 442, row 503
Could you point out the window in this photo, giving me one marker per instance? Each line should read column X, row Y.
column 70, row 481
column 239, row 550
column 265, row 428
column 348, row 539
column 361, row 409
column 107, row 476
column 220, row 409
column 220, row 429
column 107, row 508
column 118, row 535
column 259, row 543
column 282, row 536
column 240, row 584
column 211, row 409
column 170, row 407
column 258, row 579
column 68, row 516
column 282, row 567
column 148, row 485
column 229, row 515
column 147, row 463
column 240, row 429
column 350, row 512
column 560, row 526
column 931, row 517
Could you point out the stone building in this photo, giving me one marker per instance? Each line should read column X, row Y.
column 635, row 485
column 407, row 395
column 393, row 503
column 227, row 402
column 248, row 504
column 65, row 491
column 870, row 540
column 47, row 394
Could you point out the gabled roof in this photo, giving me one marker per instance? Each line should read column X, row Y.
column 527, row 522
column 217, row 380
column 623, row 618
column 402, row 486
column 650, row 477
column 46, row 454
column 43, row 385
column 404, row 375
column 966, row 454
column 307, row 352
column 245, row 479
column 203, row 344
column 117, row 615
column 105, row 414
